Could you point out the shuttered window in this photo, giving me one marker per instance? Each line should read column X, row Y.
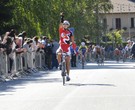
column 118, row 23
column 132, row 22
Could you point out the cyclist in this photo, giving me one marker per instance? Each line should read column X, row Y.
column 97, row 50
column 117, row 54
column 99, row 53
column 83, row 50
column 66, row 37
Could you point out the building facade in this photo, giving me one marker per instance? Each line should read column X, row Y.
column 122, row 16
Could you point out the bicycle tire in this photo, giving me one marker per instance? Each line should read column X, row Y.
column 64, row 80
column 98, row 60
column 83, row 62
column 117, row 58
column 63, row 72
column 63, row 69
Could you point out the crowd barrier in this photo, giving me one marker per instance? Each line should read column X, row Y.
column 18, row 64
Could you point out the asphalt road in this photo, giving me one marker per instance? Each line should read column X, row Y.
column 107, row 87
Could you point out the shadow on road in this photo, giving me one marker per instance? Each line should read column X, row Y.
column 79, row 84
column 108, row 65
column 42, row 77
column 20, row 83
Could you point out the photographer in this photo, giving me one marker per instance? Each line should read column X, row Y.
column 6, row 44
column 6, row 47
column 23, row 36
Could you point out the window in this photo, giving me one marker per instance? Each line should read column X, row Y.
column 105, row 22
column 118, row 23
column 132, row 22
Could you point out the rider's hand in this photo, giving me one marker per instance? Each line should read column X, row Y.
column 62, row 17
column 62, row 14
column 70, row 34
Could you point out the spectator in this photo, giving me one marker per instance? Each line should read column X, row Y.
column 133, row 49
column 73, row 57
column 7, row 47
column 48, row 54
column 55, row 46
column 23, row 35
column 43, row 40
column 117, row 52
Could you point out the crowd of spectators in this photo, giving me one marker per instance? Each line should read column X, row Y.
column 10, row 42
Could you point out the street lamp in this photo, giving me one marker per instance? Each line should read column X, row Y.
column 97, row 24
column 129, row 22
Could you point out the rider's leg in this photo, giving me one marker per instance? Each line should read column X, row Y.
column 58, row 52
column 59, row 57
column 81, row 56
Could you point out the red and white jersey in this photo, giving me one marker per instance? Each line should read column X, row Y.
column 64, row 39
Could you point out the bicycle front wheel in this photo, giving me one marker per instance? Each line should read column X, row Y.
column 63, row 72
column 82, row 62
column 64, row 79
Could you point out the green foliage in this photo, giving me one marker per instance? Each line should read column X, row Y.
column 115, row 36
column 5, row 15
column 41, row 17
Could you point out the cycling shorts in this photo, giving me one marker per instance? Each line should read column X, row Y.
column 59, row 50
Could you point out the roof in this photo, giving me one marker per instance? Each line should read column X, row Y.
column 123, row 6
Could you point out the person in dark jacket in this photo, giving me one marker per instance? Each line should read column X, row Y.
column 48, row 55
column 133, row 49
column 55, row 46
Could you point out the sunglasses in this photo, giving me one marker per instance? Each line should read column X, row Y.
column 65, row 24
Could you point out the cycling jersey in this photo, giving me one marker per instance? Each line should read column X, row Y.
column 83, row 49
column 65, row 36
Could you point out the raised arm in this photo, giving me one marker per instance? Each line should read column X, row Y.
column 61, row 19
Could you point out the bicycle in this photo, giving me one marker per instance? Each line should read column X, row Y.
column 117, row 58
column 100, row 60
column 124, row 57
column 83, row 60
column 63, row 68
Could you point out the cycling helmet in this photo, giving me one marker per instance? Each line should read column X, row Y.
column 83, row 43
column 66, row 22
column 128, row 41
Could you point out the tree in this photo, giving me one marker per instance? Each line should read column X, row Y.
column 41, row 17
column 115, row 36
column 5, row 15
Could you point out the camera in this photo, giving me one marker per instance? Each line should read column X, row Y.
column 2, row 45
column 12, row 33
column 23, row 34
column 7, row 44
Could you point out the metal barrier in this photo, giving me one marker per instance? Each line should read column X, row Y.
column 20, row 64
